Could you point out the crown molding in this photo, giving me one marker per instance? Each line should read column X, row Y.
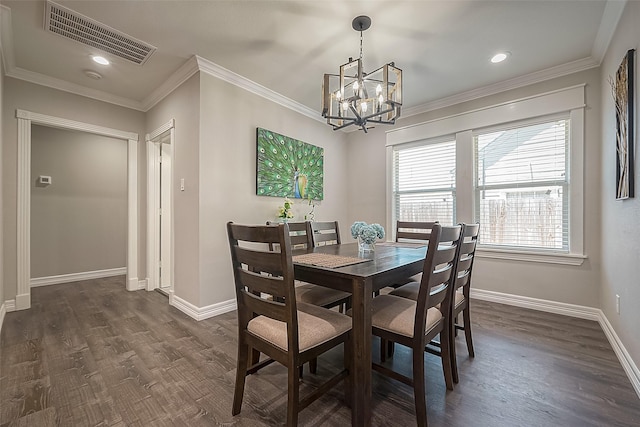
column 608, row 24
column 180, row 76
column 6, row 39
column 222, row 73
column 517, row 82
column 65, row 86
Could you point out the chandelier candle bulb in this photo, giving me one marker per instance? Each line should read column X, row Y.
column 342, row 110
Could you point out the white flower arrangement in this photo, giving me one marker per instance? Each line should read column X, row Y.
column 286, row 210
column 367, row 233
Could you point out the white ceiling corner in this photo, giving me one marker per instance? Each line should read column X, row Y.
column 612, row 14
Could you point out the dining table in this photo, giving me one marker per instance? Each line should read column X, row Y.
column 345, row 267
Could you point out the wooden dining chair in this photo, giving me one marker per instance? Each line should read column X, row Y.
column 415, row 323
column 462, row 288
column 271, row 321
column 413, row 232
column 301, row 234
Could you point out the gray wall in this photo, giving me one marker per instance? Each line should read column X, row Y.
column 79, row 222
column 568, row 284
column 620, row 233
column 2, row 293
column 229, row 117
column 19, row 94
column 183, row 105
column 215, row 153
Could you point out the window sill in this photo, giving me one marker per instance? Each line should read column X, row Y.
column 542, row 257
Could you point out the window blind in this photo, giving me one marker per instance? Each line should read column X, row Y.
column 522, row 186
column 425, row 182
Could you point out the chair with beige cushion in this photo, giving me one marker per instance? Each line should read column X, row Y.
column 462, row 288
column 301, row 238
column 271, row 321
column 415, row 323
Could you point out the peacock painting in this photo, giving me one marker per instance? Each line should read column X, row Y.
column 287, row 167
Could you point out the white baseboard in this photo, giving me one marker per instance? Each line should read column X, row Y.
column 10, row 305
column 580, row 311
column 565, row 309
column 22, row 302
column 76, row 277
column 133, row 284
column 201, row 313
column 626, row 361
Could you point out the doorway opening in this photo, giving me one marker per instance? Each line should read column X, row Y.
column 23, row 226
column 160, row 148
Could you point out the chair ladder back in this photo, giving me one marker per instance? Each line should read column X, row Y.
column 259, row 293
column 299, row 233
column 408, row 230
column 466, row 256
column 325, row 233
column 437, row 270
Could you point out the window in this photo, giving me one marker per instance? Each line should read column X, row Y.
column 516, row 167
column 522, row 187
column 424, row 187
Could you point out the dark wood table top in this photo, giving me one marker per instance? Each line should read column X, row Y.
column 387, row 262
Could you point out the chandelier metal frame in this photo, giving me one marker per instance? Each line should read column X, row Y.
column 354, row 97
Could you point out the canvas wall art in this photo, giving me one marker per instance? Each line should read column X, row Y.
column 287, row 167
column 622, row 86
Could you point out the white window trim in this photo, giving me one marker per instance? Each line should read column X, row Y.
column 570, row 99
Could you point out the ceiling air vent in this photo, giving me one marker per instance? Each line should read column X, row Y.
column 74, row 26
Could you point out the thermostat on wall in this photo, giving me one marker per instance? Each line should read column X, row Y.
column 44, row 180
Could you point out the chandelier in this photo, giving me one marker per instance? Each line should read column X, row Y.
column 355, row 97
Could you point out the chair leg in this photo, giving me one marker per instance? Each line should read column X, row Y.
column 445, row 353
column 452, row 351
column 467, row 331
column 313, row 365
column 383, row 349
column 255, row 357
column 419, row 392
column 293, row 396
column 391, row 346
column 348, row 382
column 241, row 375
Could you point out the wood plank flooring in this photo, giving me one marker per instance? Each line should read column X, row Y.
column 92, row 354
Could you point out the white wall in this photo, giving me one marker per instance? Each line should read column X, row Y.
column 620, row 233
column 569, row 284
column 19, row 94
column 229, row 117
column 79, row 221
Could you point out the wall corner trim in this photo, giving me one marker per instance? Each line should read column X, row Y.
column 202, row 313
column 629, row 366
column 3, row 311
column 572, row 310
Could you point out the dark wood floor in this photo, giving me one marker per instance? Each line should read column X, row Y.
column 91, row 353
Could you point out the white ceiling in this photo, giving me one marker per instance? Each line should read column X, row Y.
column 443, row 47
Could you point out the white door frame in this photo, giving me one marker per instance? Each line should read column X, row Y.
column 25, row 120
column 153, row 198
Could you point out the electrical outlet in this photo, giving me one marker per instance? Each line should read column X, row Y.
column 617, row 303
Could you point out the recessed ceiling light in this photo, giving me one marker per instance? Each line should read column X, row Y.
column 499, row 57
column 100, row 60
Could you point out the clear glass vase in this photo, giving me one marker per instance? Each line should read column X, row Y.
column 366, row 247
